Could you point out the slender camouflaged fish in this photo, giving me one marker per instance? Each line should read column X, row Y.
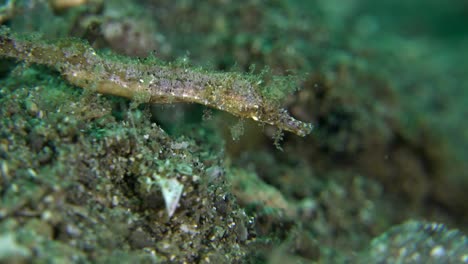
column 152, row 81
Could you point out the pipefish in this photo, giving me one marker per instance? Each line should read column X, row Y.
column 152, row 81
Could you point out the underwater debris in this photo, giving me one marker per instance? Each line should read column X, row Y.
column 150, row 81
column 10, row 249
column 171, row 191
column 418, row 242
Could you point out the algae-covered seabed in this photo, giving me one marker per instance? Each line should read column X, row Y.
column 93, row 178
